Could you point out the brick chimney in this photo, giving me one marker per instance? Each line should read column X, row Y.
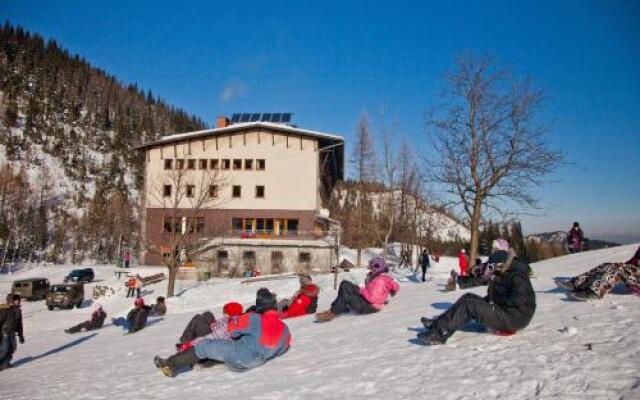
column 222, row 122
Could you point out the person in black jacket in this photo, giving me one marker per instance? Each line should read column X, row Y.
column 424, row 263
column 137, row 317
column 97, row 320
column 508, row 306
column 10, row 325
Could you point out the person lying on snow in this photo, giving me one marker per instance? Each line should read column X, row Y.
column 508, row 306
column 137, row 317
column 160, row 308
column 304, row 301
column 597, row 282
column 205, row 326
column 258, row 337
column 95, row 322
column 369, row 299
column 481, row 274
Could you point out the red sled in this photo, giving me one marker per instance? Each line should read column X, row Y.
column 501, row 332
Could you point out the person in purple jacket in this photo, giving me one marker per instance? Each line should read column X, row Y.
column 369, row 299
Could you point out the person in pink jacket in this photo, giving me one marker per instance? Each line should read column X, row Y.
column 369, row 299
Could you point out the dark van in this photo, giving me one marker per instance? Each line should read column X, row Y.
column 80, row 275
column 31, row 289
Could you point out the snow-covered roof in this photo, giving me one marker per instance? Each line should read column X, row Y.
column 243, row 126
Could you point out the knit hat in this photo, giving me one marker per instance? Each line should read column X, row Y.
column 378, row 266
column 305, row 279
column 500, row 244
column 232, row 309
column 139, row 302
column 265, row 300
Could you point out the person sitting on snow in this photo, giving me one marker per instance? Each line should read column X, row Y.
column 160, row 308
column 597, row 282
column 369, row 299
column 258, row 337
column 137, row 317
column 97, row 320
column 304, row 301
column 481, row 274
column 219, row 329
column 205, row 324
column 509, row 305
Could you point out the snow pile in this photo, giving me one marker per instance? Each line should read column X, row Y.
column 571, row 350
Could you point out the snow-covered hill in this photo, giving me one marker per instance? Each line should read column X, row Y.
column 571, row 350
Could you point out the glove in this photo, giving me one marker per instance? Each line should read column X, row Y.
column 21, row 339
column 185, row 346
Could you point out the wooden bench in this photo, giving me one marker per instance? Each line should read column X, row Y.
column 148, row 280
column 120, row 273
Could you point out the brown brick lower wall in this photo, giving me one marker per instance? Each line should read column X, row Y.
column 217, row 223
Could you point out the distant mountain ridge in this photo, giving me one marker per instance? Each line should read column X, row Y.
column 559, row 238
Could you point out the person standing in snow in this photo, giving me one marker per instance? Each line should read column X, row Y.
column 10, row 326
column 463, row 262
column 131, row 287
column 126, row 257
column 575, row 238
column 138, row 284
column 597, row 282
column 369, row 299
column 509, row 305
column 258, row 337
column 303, row 302
column 424, row 263
column 95, row 322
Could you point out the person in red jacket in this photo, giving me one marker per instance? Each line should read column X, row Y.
column 463, row 262
column 304, row 301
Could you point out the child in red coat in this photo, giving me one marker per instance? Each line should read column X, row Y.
column 304, row 301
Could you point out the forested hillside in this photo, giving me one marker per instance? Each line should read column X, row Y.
column 70, row 174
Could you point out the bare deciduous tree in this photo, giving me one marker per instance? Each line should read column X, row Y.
column 192, row 191
column 489, row 141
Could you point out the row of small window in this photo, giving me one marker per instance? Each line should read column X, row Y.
column 180, row 224
column 265, row 226
column 236, row 191
column 224, row 163
column 277, row 257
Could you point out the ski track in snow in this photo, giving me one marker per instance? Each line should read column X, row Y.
column 571, row 350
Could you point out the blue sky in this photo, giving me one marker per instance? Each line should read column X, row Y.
column 328, row 61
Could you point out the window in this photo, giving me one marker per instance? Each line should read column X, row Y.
column 277, row 262
column 168, row 163
column 191, row 164
column 236, row 191
column 199, row 224
column 179, row 164
column 213, row 191
column 260, row 225
column 249, row 259
column 166, row 191
column 260, row 192
column 203, row 164
column 223, row 254
column 292, row 226
column 260, row 165
column 237, row 163
column 248, row 225
column 168, row 224
column 215, row 164
column 236, row 225
column 304, row 257
column 226, row 163
column 191, row 190
column 270, row 226
column 248, row 164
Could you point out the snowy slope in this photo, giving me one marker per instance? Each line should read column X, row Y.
column 352, row 357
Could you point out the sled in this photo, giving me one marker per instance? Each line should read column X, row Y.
column 502, row 332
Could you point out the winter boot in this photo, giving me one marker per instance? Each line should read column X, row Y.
column 434, row 337
column 568, row 285
column 427, row 322
column 585, row 295
column 451, row 285
column 171, row 365
column 454, row 274
column 325, row 316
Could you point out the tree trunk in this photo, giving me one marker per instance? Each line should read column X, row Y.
column 475, row 230
column 172, row 278
column 359, row 258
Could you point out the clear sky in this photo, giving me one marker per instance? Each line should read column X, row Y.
column 327, row 61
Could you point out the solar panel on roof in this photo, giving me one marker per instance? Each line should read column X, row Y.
column 275, row 117
column 266, row 117
column 286, row 118
column 255, row 117
column 235, row 118
column 245, row 117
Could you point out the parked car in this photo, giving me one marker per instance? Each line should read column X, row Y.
column 80, row 275
column 65, row 295
column 31, row 289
